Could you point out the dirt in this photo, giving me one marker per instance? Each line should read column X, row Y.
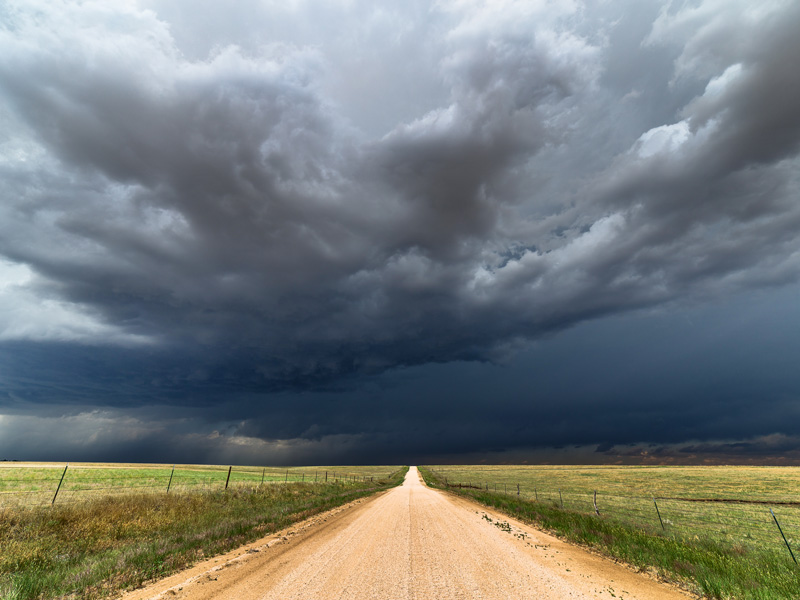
column 411, row 542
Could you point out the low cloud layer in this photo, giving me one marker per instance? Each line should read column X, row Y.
column 211, row 209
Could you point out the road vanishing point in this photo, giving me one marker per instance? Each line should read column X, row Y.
column 411, row 542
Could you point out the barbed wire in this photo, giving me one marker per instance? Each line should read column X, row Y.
column 40, row 488
column 729, row 519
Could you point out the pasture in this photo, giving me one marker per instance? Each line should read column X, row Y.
column 726, row 504
column 35, row 484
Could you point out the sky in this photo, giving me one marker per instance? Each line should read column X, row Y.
column 345, row 232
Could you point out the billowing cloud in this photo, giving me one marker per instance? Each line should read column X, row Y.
column 287, row 197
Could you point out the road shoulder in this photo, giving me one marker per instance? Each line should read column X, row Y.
column 254, row 555
column 575, row 562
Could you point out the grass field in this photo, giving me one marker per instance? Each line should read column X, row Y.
column 776, row 484
column 718, row 535
column 725, row 504
column 100, row 543
column 35, row 484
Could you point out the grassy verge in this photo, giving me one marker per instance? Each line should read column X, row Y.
column 708, row 568
column 98, row 548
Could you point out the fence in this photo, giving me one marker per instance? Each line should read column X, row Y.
column 47, row 485
column 732, row 522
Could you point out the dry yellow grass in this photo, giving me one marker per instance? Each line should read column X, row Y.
column 35, row 484
column 727, row 504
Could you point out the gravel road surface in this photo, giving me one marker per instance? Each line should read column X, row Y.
column 411, row 542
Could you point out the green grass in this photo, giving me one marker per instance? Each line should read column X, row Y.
column 728, row 505
column 103, row 544
column 714, row 568
column 742, row 482
column 32, row 484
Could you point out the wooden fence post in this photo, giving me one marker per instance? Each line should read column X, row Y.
column 264, row 472
column 517, row 489
column 594, row 501
column 229, row 477
column 170, row 478
column 785, row 541
column 60, row 481
column 286, row 479
column 658, row 512
column 560, row 498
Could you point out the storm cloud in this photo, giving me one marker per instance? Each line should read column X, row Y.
column 269, row 213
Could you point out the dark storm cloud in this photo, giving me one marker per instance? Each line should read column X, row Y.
column 194, row 213
column 223, row 200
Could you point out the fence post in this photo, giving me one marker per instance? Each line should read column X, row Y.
column 264, row 472
column 658, row 512
column 517, row 489
column 560, row 498
column 594, row 501
column 536, row 494
column 785, row 541
column 286, row 479
column 229, row 477
column 326, row 477
column 60, row 481
column 170, row 478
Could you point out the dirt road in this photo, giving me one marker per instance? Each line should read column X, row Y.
column 409, row 543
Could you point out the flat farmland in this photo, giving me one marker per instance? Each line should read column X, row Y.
column 414, row 541
column 36, row 484
column 726, row 504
